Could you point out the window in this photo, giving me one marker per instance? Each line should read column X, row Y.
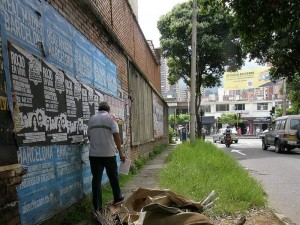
column 239, row 106
column 262, row 106
column 222, row 107
column 294, row 124
column 206, row 108
column 282, row 126
column 277, row 124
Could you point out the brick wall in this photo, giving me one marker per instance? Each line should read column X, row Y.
column 146, row 148
column 112, row 27
column 10, row 177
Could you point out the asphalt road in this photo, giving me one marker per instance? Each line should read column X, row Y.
column 279, row 174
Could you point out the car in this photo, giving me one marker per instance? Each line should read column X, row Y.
column 283, row 133
column 220, row 136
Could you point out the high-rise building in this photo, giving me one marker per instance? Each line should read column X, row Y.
column 167, row 90
column 164, row 76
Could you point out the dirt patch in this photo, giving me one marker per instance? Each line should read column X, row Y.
column 257, row 217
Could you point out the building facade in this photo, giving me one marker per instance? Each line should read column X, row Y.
column 248, row 93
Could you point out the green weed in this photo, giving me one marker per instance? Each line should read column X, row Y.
column 194, row 171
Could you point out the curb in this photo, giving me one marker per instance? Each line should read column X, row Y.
column 285, row 220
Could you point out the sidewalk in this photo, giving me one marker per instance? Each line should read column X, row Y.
column 147, row 175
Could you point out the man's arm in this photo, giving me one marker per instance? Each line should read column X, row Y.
column 117, row 140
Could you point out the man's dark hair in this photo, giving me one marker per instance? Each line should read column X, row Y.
column 103, row 106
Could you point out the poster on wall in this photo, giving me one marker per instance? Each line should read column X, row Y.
column 53, row 181
column 100, row 70
column 74, row 110
column 111, row 78
column 8, row 152
column 23, row 22
column 88, row 108
column 83, row 60
column 58, row 38
column 27, row 90
column 98, row 97
column 158, row 116
column 55, row 104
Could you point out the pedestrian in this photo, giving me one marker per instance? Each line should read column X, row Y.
column 239, row 131
column 103, row 133
column 248, row 130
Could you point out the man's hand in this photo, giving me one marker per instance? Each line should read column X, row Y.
column 122, row 156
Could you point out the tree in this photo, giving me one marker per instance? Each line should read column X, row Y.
column 293, row 95
column 183, row 119
column 180, row 119
column 217, row 48
column 230, row 118
column 270, row 31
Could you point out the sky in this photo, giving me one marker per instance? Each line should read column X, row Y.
column 149, row 12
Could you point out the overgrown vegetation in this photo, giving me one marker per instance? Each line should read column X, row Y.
column 194, row 171
column 171, row 135
column 82, row 211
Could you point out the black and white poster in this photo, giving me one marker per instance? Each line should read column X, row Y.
column 28, row 91
column 88, row 107
column 55, row 105
column 74, row 110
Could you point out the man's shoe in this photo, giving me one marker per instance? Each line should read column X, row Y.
column 119, row 200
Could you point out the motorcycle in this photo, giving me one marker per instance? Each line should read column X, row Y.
column 228, row 141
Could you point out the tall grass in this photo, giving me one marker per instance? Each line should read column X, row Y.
column 194, row 171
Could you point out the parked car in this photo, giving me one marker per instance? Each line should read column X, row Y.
column 220, row 136
column 284, row 134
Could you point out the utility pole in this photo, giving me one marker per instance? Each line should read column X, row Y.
column 193, row 73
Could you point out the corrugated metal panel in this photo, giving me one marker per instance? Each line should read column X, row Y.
column 141, row 111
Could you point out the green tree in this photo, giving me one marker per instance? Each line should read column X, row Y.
column 180, row 119
column 183, row 118
column 217, row 48
column 294, row 96
column 270, row 31
column 230, row 118
column 171, row 119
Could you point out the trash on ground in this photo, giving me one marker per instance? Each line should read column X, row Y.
column 160, row 206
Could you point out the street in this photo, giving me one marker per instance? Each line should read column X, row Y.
column 279, row 174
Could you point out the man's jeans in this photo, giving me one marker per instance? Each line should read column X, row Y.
column 97, row 166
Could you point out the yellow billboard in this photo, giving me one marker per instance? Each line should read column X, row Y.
column 246, row 79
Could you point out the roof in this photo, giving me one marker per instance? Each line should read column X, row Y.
column 288, row 116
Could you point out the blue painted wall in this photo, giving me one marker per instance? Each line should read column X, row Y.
column 58, row 175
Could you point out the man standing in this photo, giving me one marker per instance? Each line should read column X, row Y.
column 103, row 133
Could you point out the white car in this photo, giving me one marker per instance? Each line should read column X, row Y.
column 220, row 136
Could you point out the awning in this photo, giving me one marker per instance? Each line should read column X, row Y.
column 206, row 120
